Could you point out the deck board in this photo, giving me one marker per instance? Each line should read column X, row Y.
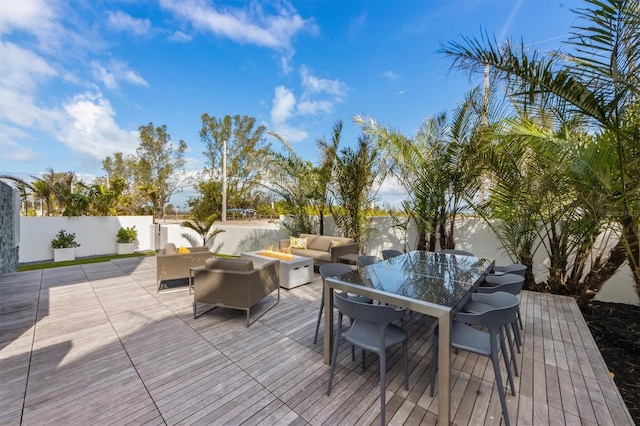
column 96, row 344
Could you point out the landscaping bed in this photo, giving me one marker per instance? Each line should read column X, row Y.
column 616, row 330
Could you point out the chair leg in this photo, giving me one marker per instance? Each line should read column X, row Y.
column 334, row 356
column 506, row 362
column 519, row 318
column 503, row 400
column 513, row 353
column 383, row 384
column 315, row 338
column 405, row 356
column 516, row 333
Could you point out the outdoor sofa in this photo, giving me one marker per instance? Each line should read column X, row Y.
column 322, row 248
column 172, row 265
column 234, row 283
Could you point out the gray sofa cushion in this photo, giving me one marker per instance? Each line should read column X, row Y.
column 229, row 264
column 322, row 256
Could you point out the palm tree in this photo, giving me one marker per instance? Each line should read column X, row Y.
column 203, row 228
column 324, row 171
column 599, row 79
column 293, row 179
column 438, row 168
column 355, row 173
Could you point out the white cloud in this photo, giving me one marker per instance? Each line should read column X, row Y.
column 23, row 71
column 34, row 17
column 290, row 134
column 90, row 128
column 319, row 96
column 283, row 107
column 251, row 25
column 117, row 71
column 391, row 192
column 308, row 107
column 12, row 150
column 284, row 103
column 24, row 15
column 180, row 37
column 313, row 84
column 390, row 75
column 127, row 23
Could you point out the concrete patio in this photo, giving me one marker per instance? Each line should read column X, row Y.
column 95, row 344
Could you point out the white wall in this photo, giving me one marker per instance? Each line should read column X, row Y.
column 96, row 234
column 235, row 239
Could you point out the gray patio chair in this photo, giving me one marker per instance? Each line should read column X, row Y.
column 388, row 254
column 372, row 331
column 491, row 281
column 515, row 268
column 464, row 336
column 332, row 270
column 458, row 252
column 511, row 284
column 362, row 260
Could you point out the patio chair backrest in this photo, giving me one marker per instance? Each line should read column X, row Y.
column 388, row 254
column 504, row 311
column 380, row 315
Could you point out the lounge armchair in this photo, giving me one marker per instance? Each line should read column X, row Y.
column 171, row 265
column 234, row 283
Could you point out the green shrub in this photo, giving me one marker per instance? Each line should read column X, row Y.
column 127, row 235
column 64, row 240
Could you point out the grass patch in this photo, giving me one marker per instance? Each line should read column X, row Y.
column 81, row 261
column 97, row 259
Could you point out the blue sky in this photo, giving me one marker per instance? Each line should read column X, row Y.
column 77, row 78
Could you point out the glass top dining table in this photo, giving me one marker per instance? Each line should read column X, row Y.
column 434, row 284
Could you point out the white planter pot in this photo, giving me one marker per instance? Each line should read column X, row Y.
column 62, row 254
column 124, row 248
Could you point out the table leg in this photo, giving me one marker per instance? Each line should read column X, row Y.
column 328, row 323
column 444, row 370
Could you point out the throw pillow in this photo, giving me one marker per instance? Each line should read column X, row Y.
column 336, row 243
column 299, row 243
column 183, row 250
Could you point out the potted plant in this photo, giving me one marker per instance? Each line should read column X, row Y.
column 125, row 240
column 64, row 246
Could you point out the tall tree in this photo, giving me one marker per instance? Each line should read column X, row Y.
column 356, row 171
column 289, row 176
column 160, row 166
column 324, row 172
column 599, row 77
column 235, row 147
column 437, row 167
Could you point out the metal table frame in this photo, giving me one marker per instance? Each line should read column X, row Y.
column 442, row 313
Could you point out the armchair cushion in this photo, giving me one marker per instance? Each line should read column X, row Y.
column 229, row 264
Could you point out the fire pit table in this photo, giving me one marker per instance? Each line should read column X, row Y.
column 294, row 270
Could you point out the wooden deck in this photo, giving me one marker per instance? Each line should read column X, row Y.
column 96, row 344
